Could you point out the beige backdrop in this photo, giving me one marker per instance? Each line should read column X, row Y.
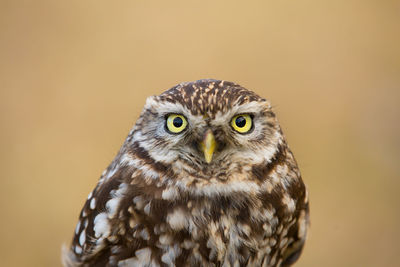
column 74, row 76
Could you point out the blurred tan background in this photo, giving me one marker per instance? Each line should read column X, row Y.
column 74, row 76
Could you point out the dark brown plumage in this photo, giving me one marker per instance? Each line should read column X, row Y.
column 205, row 178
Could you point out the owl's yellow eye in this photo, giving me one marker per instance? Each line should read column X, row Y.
column 176, row 123
column 242, row 123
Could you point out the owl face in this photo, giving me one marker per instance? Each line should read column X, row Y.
column 211, row 130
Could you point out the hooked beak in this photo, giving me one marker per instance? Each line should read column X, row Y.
column 208, row 145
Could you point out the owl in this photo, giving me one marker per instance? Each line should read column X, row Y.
column 204, row 178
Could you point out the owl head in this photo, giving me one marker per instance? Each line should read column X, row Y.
column 207, row 132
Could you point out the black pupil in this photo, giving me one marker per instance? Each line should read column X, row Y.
column 177, row 122
column 240, row 121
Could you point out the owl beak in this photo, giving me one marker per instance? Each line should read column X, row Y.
column 208, row 145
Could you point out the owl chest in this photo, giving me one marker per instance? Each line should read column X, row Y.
column 196, row 233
